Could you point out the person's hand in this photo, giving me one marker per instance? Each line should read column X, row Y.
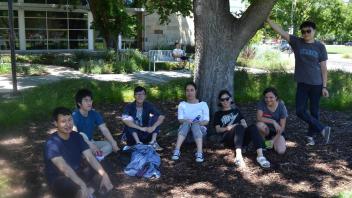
column 277, row 128
column 325, row 92
column 150, row 129
column 230, row 127
column 106, row 183
column 94, row 148
column 115, row 148
column 84, row 193
column 144, row 129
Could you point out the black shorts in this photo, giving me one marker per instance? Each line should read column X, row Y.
column 272, row 132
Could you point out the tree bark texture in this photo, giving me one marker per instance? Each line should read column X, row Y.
column 219, row 39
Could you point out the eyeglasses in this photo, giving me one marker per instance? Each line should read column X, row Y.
column 224, row 99
column 306, row 31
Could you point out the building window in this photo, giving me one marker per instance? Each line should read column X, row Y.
column 4, row 30
column 56, row 30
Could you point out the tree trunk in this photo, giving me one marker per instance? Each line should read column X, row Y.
column 219, row 39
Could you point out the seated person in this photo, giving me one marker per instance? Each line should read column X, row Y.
column 231, row 124
column 142, row 120
column 271, row 120
column 64, row 168
column 193, row 116
column 178, row 53
column 85, row 120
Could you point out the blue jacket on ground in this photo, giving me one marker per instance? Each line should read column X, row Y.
column 145, row 162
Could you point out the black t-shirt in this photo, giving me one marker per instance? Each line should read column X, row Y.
column 225, row 118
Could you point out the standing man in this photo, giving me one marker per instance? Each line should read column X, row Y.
column 142, row 120
column 86, row 119
column 66, row 173
column 311, row 76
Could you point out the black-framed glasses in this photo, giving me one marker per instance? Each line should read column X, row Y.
column 224, row 99
column 306, row 31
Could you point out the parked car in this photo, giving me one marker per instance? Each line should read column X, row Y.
column 348, row 43
column 284, row 46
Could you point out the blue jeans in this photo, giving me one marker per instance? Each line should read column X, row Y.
column 311, row 93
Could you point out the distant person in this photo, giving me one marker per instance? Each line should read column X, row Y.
column 271, row 120
column 142, row 120
column 230, row 123
column 193, row 115
column 86, row 119
column 65, row 171
column 311, row 76
column 179, row 54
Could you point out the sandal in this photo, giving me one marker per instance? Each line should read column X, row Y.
column 263, row 162
column 240, row 163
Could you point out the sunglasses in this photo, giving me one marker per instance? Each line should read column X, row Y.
column 224, row 99
column 306, row 31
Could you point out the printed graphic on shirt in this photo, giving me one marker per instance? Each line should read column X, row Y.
column 228, row 119
column 139, row 117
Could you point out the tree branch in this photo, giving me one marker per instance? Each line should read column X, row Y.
column 253, row 18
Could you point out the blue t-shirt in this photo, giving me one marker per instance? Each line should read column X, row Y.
column 279, row 113
column 308, row 57
column 71, row 150
column 87, row 124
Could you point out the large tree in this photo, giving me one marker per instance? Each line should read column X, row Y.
column 219, row 38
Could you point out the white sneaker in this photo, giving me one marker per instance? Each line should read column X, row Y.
column 176, row 155
column 326, row 134
column 199, row 157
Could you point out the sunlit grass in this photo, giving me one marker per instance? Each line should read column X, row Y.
column 338, row 49
column 38, row 103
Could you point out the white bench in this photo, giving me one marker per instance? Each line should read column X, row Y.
column 160, row 56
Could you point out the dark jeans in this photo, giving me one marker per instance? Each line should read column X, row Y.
column 63, row 186
column 240, row 136
column 311, row 93
column 144, row 137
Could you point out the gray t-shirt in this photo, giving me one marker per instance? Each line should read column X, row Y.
column 308, row 57
column 280, row 112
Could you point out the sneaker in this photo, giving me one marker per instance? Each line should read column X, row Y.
column 199, row 157
column 176, row 155
column 156, row 146
column 268, row 144
column 126, row 148
column 326, row 134
column 310, row 141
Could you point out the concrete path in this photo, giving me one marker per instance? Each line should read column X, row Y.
column 56, row 73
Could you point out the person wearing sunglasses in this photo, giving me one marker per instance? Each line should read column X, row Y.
column 230, row 123
column 311, row 76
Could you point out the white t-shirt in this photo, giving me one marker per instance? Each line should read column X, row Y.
column 189, row 111
column 178, row 52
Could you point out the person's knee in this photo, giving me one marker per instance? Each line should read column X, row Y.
column 281, row 150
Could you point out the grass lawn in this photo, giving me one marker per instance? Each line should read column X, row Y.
column 338, row 49
column 38, row 103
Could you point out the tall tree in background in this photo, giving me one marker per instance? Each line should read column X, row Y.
column 111, row 19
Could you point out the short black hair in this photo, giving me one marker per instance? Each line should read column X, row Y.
column 222, row 92
column 81, row 94
column 272, row 90
column 139, row 89
column 60, row 111
column 307, row 24
column 192, row 84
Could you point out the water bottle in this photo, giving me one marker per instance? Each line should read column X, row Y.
column 196, row 119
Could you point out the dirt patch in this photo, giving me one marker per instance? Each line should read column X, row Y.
column 321, row 170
